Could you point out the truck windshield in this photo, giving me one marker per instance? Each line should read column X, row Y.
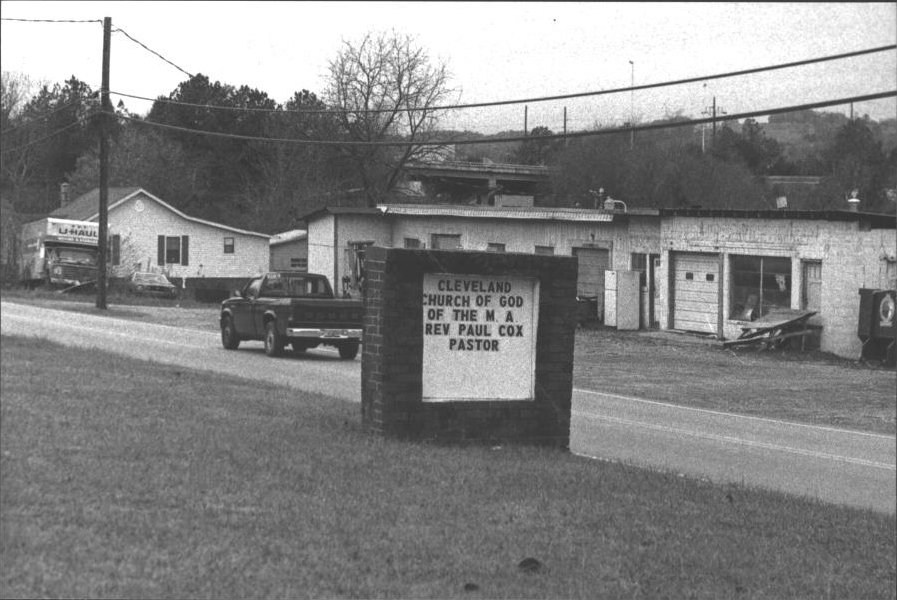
column 81, row 256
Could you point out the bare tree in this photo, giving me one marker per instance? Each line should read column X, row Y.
column 386, row 89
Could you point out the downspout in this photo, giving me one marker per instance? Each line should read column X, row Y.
column 335, row 253
column 721, row 293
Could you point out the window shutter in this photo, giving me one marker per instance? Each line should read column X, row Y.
column 185, row 246
column 116, row 250
column 161, row 258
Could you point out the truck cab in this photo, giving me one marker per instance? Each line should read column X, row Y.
column 59, row 252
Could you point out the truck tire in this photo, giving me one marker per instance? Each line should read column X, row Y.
column 229, row 338
column 348, row 350
column 274, row 342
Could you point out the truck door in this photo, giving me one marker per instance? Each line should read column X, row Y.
column 272, row 292
column 242, row 308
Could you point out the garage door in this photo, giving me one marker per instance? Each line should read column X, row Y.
column 695, row 291
column 593, row 262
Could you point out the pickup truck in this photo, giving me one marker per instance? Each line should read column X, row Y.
column 286, row 307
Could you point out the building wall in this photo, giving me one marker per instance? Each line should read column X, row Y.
column 282, row 255
column 851, row 259
column 139, row 231
column 320, row 246
column 522, row 236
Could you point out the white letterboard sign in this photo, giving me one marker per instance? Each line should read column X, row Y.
column 479, row 337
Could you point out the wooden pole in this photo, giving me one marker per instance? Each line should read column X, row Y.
column 104, row 168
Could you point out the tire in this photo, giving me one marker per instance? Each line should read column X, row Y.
column 348, row 350
column 274, row 342
column 229, row 338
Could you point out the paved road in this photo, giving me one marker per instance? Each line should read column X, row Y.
column 833, row 465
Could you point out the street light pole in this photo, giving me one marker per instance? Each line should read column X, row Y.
column 631, row 105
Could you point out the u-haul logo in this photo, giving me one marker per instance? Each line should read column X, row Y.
column 76, row 232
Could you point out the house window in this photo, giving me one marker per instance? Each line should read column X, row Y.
column 173, row 250
column 300, row 264
column 446, row 241
column 412, row 243
column 811, row 292
column 759, row 284
column 544, row 250
column 495, row 247
column 228, row 245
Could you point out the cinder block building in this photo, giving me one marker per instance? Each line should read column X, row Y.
column 717, row 266
column 698, row 270
column 602, row 240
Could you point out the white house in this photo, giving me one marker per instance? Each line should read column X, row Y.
column 147, row 234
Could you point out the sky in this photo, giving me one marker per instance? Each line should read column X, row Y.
column 494, row 51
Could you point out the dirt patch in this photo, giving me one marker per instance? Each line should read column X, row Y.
column 812, row 387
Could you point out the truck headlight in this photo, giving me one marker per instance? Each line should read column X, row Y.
column 57, row 270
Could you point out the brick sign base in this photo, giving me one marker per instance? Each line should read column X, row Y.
column 392, row 368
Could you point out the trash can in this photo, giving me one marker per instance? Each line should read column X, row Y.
column 586, row 310
column 877, row 325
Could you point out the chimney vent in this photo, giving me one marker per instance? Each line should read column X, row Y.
column 63, row 194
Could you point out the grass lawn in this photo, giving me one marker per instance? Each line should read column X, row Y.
column 123, row 478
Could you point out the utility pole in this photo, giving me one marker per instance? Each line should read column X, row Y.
column 104, row 167
column 632, row 104
column 525, row 109
column 713, row 112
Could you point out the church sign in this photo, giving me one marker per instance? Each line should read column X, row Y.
column 479, row 337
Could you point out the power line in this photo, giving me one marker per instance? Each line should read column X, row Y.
column 532, row 100
column 54, row 20
column 119, row 29
column 578, row 134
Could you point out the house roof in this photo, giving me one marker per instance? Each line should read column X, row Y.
column 875, row 220
column 87, row 205
column 340, row 210
column 484, row 212
column 496, row 212
column 86, row 208
column 288, row 236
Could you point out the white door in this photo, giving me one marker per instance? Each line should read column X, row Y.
column 695, row 292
